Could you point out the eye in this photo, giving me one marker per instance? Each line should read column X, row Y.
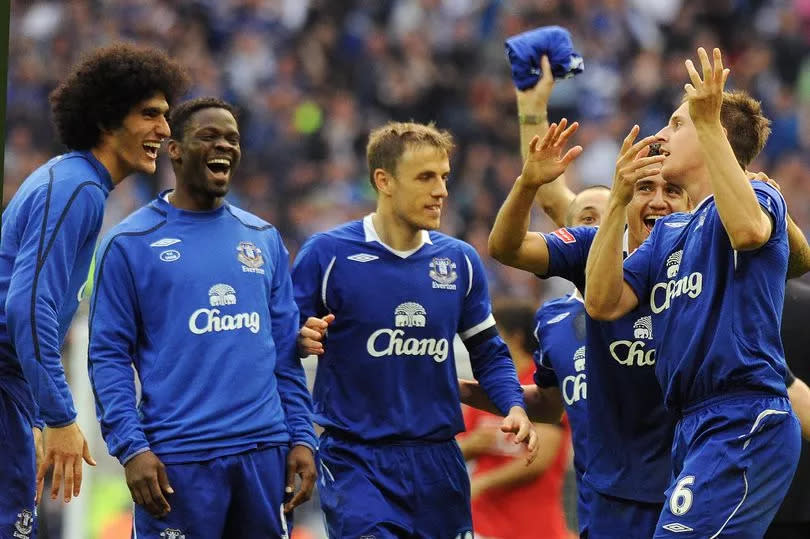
column 645, row 188
column 588, row 220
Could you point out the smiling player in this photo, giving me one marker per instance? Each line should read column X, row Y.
column 111, row 113
column 196, row 295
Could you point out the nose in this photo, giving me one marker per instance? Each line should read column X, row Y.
column 162, row 129
column 658, row 201
column 661, row 136
column 440, row 190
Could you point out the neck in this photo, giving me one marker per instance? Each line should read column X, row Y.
column 116, row 169
column 193, row 201
column 395, row 232
column 699, row 185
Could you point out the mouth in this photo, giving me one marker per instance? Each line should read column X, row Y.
column 151, row 148
column 650, row 220
column 220, row 167
column 434, row 209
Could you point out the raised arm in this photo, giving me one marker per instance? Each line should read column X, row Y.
column 532, row 104
column 748, row 226
column 607, row 295
column 510, row 241
column 799, row 259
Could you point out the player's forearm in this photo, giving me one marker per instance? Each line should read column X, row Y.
column 799, row 395
column 737, row 205
column 511, row 475
column 35, row 335
column 114, row 392
column 799, row 259
column 543, row 405
column 494, row 370
column 604, row 275
column 512, row 223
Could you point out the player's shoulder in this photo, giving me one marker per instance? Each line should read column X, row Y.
column 441, row 240
column 351, row 231
column 247, row 219
column 573, row 234
column 74, row 169
column 557, row 310
column 138, row 225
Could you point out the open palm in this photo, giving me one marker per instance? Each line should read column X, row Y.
column 545, row 161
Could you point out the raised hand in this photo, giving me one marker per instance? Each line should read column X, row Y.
column 312, row 335
column 632, row 165
column 517, row 422
column 535, row 99
column 705, row 96
column 543, row 164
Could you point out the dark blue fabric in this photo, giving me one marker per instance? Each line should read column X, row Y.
column 234, row 496
column 732, row 461
column 18, row 477
column 393, row 490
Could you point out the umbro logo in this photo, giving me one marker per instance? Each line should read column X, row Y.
column 362, row 257
column 558, row 318
column 676, row 224
column 677, row 527
column 165, row 242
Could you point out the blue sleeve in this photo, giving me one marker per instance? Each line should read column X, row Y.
column 292, row 382
column 773, row 203
column 307, row 275
column 544, row 375
column 62, row 219
column 568, row 250
column 489, row 357
column 114, row 321
column 637, row 266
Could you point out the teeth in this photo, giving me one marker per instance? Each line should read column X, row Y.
column 654, row 217
column 155, row 145
column 219, row 161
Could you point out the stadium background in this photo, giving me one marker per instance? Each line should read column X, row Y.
column 313, row 76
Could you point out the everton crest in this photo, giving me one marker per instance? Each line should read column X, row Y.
column 443, row 273
column 250, row 256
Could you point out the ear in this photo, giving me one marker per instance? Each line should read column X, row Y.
column 173, row 148
column 383, row 181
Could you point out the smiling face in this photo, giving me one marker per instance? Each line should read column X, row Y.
column 134, row 146
column 208, row 153
column 418, row 187
column 588, row 207
column 653, row 198
column 679, row 143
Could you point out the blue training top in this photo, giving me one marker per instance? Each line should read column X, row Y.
column 201, row 304
column 49, row 233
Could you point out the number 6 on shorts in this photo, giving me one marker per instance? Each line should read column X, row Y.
column 680, row 501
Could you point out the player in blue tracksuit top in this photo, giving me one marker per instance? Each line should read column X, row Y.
column 396, row 294
column 196, row 295
column 714, row 282
column 560, row 360
column 110, row 111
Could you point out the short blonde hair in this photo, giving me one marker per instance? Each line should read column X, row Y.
column 386, row 144
column 747, row 129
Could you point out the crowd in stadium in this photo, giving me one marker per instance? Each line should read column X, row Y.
column 313, row 77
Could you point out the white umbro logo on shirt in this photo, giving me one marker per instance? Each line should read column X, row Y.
column 165, row 242
column 676, row 225
column 677, row 527
column 362, row 257
column 558, row 318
